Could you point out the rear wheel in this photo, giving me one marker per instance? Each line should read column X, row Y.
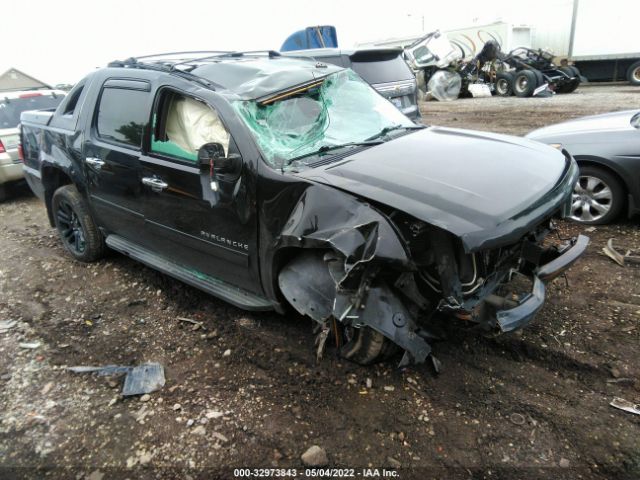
column 78, row 232
column 598, row 197
column 504, row 84
column 524, row 83
column 539, row 77
column 3, row 193
column 633, row 74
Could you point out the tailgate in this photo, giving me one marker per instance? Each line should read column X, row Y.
column 31, row 126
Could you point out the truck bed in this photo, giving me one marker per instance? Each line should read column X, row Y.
column 37, row 117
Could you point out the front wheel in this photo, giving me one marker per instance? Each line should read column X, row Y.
column 598, row 197
column 78, row 232
column 366, row 346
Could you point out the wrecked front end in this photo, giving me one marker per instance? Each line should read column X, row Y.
column 368, row 266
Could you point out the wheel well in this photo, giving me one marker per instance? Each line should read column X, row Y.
column 280, row 260
column 592, row 163
column 53, row 178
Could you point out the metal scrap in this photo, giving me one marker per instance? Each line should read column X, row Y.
column 196, row 324
column 145, row 378
column 626, row 405
column 6, row 325
column 617, row 257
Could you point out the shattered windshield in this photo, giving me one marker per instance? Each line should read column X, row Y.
column 342, row 110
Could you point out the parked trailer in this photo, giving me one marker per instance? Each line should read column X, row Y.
column 508, row 36
column 604, row 42
column 470, row 40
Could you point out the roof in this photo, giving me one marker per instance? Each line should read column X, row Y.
column 14, row 79
column 253, row 77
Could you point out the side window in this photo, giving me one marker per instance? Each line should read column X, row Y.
column 183, row 124
column 122, row 115
column 67, row 113
column 70, row 105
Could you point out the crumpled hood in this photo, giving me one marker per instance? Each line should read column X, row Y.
column 586, row 125
column 479, row 186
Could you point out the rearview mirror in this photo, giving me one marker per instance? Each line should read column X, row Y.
column 211, row 156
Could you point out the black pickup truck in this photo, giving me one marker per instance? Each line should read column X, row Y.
column 274, row 182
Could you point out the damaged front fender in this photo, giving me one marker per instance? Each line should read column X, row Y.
column 349, row 250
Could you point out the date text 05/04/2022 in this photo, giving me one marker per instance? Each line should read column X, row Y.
column 315, row 473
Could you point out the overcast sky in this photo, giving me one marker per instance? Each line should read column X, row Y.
column 61, row 41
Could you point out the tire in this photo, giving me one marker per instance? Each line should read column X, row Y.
column 504, row 84
column 597, row 186
column 366, row 346
column 571, row 85
column 539, row 77
column 633, row 74
column 78, row 232
column 576, row 72
column 524, row 83
column 3, row 193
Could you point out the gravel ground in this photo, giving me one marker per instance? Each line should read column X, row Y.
column 244, row 389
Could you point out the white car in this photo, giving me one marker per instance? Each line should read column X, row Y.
column 12, row 104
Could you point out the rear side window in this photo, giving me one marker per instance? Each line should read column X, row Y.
column 72, row 102
column 383, row 70
column 123, row 115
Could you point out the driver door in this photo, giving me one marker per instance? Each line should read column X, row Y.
column 194, row 217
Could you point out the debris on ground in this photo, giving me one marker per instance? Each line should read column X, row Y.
column 517, row 418
column 393, row 463
column 6, row 325
column 139, row 380
column 29, row 345
column 196, row 324
column 626, row 405
column 315, row 456
column 146, row 378
column 617, row 257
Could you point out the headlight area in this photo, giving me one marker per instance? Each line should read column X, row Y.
column 501, row 288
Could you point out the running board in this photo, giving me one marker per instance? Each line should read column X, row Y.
column 213, row 286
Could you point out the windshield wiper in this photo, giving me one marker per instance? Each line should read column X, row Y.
column 391, row 128
column 328, row 148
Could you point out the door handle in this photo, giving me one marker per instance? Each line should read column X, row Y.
column 94, row 162
column 156, row 184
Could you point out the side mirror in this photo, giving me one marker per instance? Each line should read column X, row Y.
column 213, row 154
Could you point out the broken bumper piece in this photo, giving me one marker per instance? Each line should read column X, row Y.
column 521, row 314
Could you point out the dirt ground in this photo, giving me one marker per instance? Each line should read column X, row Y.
column 244, row 390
